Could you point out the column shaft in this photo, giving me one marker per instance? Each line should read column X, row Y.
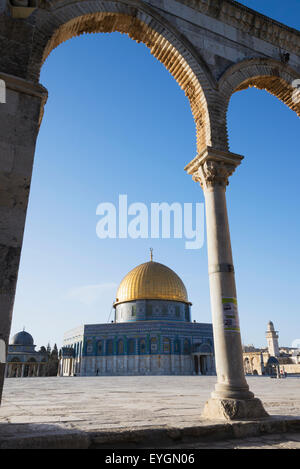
column 20, row 119
column 227, row 339
column 231, row 398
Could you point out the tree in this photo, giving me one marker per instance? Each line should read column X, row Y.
column 54, row 352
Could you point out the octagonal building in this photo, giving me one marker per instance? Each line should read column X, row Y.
column 152, row 332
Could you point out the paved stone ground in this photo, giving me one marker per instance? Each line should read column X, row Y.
column 284, row 441
column 106, row 403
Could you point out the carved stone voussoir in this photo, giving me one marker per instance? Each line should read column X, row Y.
column 213, row 167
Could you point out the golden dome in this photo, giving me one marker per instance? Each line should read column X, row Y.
column 151, row 281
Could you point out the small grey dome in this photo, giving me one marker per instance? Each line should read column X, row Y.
column 22, row 338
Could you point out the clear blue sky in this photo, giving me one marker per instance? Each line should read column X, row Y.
column 116, row 122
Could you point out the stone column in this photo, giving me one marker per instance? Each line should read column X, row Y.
column 20, row 117
column 231, row 398
column 208, row 364
column 61, row 370
column 22, row 372
column 83, row 366
column 199, row 364
column 70, row 371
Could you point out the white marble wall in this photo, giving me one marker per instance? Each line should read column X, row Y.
column 136, row 365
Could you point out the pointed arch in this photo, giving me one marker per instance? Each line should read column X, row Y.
column 67, row 20
column 277, row 78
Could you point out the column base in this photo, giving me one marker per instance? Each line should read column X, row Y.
column 234, row 409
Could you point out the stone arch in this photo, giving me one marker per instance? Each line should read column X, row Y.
column 272, row 366
column 31, row 360
column 14, row 360
column 247, row 368
column 205, row 348
column 62, row 22
column 265, row 74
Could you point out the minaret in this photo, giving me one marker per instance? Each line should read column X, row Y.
column 272, row 340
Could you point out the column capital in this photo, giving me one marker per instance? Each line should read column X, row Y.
column 213, row 167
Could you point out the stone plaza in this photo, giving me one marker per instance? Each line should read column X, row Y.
column 44, row 407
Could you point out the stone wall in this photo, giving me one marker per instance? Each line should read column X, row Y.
column 291, row 369
column 137, row 365
column 141, row 310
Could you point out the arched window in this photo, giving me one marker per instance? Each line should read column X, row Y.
column 187, row 312
column 109, row 347
column 131, row 346
column 120, row 347
column 153, row 345
column 89, row 346
column 186, row 346
column 99, row 347
column 166, row 345
column 177, row 346
column 177, row 311
column 142, row 347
